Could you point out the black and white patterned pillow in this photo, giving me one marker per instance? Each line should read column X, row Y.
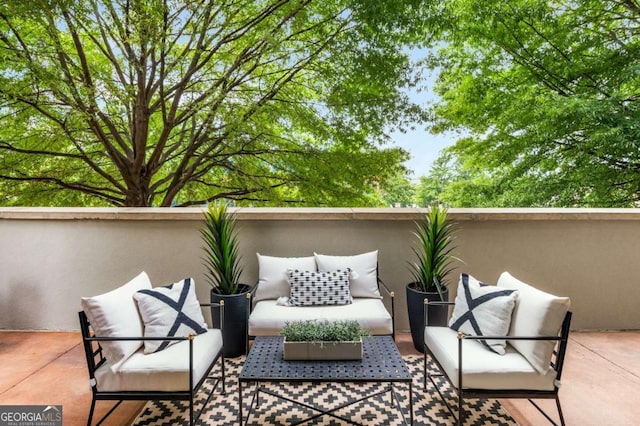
column 310, row 288
column 483, row 310
column 172, row 311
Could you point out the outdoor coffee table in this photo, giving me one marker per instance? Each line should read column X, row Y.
column 381, row 363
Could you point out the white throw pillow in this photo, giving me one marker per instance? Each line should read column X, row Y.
column 172, row 311
column 115, row 314
column 536, row 314
column 364, row 271
column 483, row 310
column 272, row 275
column 309, row 288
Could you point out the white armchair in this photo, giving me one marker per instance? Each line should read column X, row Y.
column 149, row 344
column 530, row 363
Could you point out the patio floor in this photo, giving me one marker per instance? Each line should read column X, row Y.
column 601, row 380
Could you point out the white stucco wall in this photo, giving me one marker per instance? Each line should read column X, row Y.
column 49, row 258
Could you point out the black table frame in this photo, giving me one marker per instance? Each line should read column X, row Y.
column 381, row 363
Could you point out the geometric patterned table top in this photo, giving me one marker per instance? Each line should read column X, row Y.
column 381, row 360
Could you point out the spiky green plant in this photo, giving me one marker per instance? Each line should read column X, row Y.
column 221, row 260
column 435, row 236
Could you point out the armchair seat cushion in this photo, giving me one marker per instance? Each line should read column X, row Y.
column 166, row 370
column 484, row 369
column 268, row 318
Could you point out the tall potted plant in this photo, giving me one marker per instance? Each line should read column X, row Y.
column 435, row 235
column 222, row 263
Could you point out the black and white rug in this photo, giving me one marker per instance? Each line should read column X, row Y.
column 428, row 409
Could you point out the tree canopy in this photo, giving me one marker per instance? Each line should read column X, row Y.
column 181, row 102
column 548, row 92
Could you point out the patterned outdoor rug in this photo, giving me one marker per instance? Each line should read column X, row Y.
column 428, row 409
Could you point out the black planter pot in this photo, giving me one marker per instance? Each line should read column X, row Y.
column 236, row 313
column 415, row 308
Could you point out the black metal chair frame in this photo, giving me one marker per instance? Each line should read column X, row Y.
column 96, row 358
column 381, row 285
column 557, row 364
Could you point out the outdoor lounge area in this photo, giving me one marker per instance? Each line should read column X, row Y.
column 600, row 384
column 57, row 256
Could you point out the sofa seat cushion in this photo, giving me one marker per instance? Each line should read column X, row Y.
column 482, row 368
column 166, row 370
column 268, row 317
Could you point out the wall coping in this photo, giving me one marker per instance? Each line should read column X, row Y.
column 292, row 213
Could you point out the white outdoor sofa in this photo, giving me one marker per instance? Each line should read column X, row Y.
column 318, row 293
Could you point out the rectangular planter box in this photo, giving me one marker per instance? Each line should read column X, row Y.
column 321, row 351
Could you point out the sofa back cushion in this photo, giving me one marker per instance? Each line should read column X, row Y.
column 536, row 314
column 273, row 282
column 364, row 271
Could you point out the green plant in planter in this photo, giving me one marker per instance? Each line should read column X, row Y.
column 435, row 236
column 221, row 259
column 323, row 331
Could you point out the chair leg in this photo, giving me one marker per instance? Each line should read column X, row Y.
column 116, row 405
column 191, row 409
column 426, row 372
column 547, row 415
column 93, row 406
column 224, row 389
column 559, row 410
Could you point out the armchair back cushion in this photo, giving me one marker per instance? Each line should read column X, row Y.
column 364, row 271
column 115, row 314
column 273, row 282
column 536, row 313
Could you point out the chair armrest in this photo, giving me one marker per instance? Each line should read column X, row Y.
column 221, row 306
column 469, row 337
column 439, row 302
column 385, row 288
column 427, row 303
column 392, row 296
column 115, row 339
column 211, row 304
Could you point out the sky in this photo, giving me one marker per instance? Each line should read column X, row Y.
column 423, row 147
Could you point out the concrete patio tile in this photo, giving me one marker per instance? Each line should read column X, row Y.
column 598, row 388
column 30, row 352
